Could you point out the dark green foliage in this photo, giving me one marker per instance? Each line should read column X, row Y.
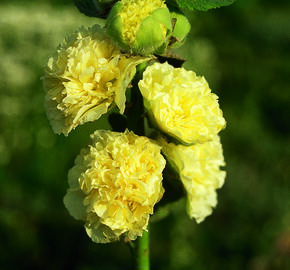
column 174, row 60
column 202, row 5
column 118, row 122
column 95, row 8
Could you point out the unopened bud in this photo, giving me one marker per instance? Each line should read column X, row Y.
column 139, row 26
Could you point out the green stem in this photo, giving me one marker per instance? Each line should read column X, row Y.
column 135, row 114
column 142, row 252
column 135, row 117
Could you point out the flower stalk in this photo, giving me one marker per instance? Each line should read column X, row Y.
column 141, row 249
column 142, row 252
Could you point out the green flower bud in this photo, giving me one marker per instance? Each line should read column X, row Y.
column 181, row 28
column 139, row 26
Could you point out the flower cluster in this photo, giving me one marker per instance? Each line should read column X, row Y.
column 118, row 179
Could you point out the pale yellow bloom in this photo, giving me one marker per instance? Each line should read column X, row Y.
column 85, row 78
column 181, row 104
column 114, row 185
column 198, row 167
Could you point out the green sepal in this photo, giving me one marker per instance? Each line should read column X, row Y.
column 144, row 45
column 162, row 15
column 162, row 49
column 181, row 28
column 149, row 36
column 114, row 26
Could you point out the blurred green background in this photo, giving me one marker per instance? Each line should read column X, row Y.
column 243, row 51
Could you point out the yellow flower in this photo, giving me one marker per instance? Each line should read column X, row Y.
column 139, row 26
column 114, row 185
column 181, row 104
column 198, row 167
column 84, row 78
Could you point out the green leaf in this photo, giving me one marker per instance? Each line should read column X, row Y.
column 94, row 8
column 203, row 5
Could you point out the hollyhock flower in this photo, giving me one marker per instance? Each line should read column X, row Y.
column 114, row 185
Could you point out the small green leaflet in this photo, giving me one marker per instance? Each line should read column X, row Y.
column 203, row 5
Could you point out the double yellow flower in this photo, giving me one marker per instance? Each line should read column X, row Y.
column 114, row 185
column 85, row 78
column 181, row 104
